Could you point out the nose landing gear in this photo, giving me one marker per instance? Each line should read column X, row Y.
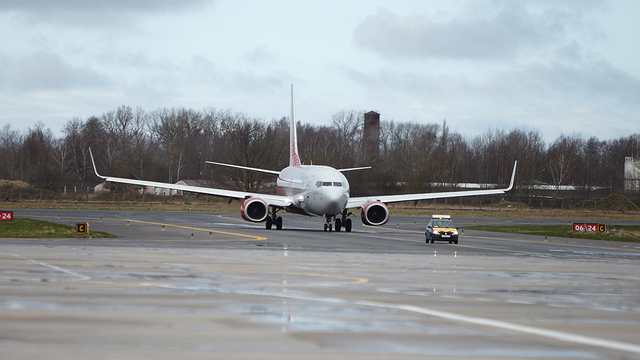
column 339, row 222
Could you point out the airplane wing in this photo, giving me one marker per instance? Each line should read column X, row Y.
column 361, row 201
column 272, row 200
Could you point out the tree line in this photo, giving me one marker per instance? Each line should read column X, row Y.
column 168, row 145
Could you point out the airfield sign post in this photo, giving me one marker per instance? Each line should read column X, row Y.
column 589, row 227
column 82, row 228
column 6, row 215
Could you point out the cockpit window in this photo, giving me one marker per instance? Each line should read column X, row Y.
column 328, row 183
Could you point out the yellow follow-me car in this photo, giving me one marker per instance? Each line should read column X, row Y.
column 441, row 228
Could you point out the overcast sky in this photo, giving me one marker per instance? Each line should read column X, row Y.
column 556, row 66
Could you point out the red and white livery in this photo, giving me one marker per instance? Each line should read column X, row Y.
column 310, row 190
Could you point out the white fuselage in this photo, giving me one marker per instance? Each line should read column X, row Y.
column 315, row 190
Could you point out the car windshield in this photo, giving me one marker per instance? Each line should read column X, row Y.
column 443, row 224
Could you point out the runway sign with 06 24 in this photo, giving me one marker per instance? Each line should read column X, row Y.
column 589, row 227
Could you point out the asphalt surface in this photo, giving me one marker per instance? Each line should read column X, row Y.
column 202, row 285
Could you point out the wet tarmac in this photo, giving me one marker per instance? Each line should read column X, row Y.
column 201, row 285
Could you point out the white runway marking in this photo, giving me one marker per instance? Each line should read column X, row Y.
column 68, row 272
column 552, row 334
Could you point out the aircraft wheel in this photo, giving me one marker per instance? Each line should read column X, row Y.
column 279, row 223
column 330, row 228
column 325, row 227
column 269, row 223
column 338, row 225
column 347, row 225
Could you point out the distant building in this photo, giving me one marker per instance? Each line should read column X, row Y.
column 371, row 136
column 103, row 187
column 200, row 183
column 631, row 174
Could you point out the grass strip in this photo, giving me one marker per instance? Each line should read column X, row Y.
column 626, row 233
column 29, row 228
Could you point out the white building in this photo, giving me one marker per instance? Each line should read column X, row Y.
column 631, row 174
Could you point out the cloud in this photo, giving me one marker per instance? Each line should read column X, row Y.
column 46, row 71
column 487, row 32
column 594, row 98
column 595, row 85
column 91, row 13
column 260, row 55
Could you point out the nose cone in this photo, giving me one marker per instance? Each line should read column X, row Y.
column 335, row 200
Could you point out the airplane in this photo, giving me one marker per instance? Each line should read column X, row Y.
column 311, row 190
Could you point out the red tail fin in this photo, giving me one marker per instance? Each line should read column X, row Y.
column 294, row 159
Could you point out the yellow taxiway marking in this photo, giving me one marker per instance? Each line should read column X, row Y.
column 200, row 229
column 505, row 250
column 462, row 236
column 556, row 243
column 228, row 218
column 172, row 225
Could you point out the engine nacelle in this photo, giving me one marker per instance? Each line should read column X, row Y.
column 254, row 209
column 374, row 213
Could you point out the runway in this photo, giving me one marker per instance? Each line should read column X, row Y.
column 202, row 285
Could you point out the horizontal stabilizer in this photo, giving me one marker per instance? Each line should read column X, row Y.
column 272, row 172
column 352, row 169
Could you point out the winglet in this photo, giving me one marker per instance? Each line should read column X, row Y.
column 94, row 165
column 513, row 177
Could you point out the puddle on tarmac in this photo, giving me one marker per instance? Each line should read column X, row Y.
column 346, row 319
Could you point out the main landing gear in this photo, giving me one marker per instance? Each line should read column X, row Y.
column 273, row 219
column 340, row 222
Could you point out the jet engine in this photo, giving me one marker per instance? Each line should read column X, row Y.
column 254, row 209
column 375, row 213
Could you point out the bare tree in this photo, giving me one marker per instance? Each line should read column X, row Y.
column 140, row 144
column 253, row 143
column 409, row 150
column 35, row 155
column 62, row 157
column 10, row 142
column 179, row 133
column 562, row 159
column 348, row 125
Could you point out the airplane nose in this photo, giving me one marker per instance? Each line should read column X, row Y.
column 335, row 201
